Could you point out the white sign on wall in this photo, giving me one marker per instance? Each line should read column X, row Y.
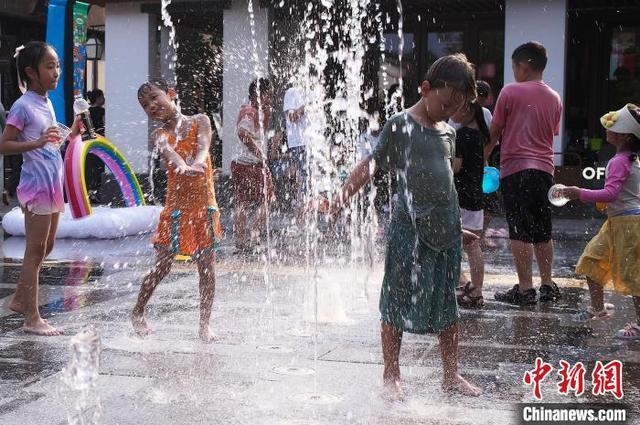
column 590, row 173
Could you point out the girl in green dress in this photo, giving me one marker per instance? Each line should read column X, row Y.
column 423, row 253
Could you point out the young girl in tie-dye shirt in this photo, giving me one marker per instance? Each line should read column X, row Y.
column 31, row 131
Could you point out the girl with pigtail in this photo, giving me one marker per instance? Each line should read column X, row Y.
column 32, row 131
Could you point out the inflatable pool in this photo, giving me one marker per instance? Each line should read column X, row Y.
column 103, row 223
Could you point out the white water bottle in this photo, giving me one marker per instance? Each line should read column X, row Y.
column 81, row 108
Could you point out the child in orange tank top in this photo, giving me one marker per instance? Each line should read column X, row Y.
column 189, row 224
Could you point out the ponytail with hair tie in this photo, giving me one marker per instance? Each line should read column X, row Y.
column 29, row 56
column 21, row 84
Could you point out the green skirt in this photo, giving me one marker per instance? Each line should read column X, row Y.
column 418, row 291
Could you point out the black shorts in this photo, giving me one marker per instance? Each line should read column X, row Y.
column 526, row 205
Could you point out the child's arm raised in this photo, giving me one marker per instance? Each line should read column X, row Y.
column 204, row 142
column 9, row 144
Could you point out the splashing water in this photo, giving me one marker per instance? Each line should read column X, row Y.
column 331, row 76
column 173, row 44
column 266, row 257
column 172, row 57
column 155, row 156
column 400, row 53
column 79, row 380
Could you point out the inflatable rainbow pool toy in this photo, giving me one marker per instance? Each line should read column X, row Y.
column 75, row 183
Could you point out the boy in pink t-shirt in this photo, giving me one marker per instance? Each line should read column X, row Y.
column 526, row 117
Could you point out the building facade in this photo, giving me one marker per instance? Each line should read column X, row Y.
column 592, row 46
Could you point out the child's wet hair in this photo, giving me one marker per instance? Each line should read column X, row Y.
column 31, row 57
column 454, row 71
column 532, row 53
column 148, row 86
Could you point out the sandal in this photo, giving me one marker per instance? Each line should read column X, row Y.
column 460, row 289
column 590, row 314
column 631, row 332
column 465, row 300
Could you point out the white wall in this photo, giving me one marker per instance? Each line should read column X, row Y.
column 546, row 22
column 127, row 66
column 239, row 67
column 167, row 55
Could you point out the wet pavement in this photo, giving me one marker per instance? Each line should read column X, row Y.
column 263, row 371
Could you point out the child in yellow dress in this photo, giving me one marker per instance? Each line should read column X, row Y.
column 189, row 223
column 613, row 255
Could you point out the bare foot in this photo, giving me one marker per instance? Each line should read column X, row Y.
column 207, row 336
column 460, row 385
column 392, row 390
column 140, row 326
column 40, row 327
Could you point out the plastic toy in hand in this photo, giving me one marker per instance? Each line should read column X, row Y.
column 556, row 195
column 490, row 180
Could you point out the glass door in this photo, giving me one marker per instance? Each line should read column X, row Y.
column 481, row 42
column 490, row 62
column 397, row 62
column 443, row 43
column 624, row 67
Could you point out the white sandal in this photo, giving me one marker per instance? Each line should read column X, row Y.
column 631, row 332
column 590, row 314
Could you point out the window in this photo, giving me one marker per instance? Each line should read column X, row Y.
column 443, row 43
column 392, row 69
column 624, row 67
column 491, row 60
